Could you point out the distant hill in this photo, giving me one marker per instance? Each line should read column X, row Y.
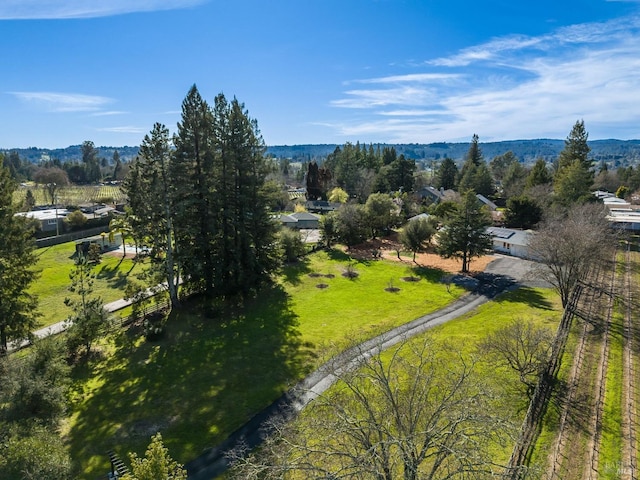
column 72, row 153
column 614, row 152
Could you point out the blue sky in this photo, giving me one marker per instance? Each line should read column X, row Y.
column 320, row 71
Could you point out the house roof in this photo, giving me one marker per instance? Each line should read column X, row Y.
column 287, row 218
column 420, row 215
column 486, row 201
column 510, row 235
column 304, row 216
column 616, row 202
column 49, row 214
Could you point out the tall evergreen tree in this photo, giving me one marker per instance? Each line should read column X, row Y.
column 17, row 261
column 91, row 161
column 149, row 187
column 539, row 174
column 475, row 153
column 574, row 178
column 514, row 180
column 117, row 165
column 193, row 174
column 500, row 164
column 576, row 148
column 224, row 235
column 447, row 174
column 464, row 233
column 248, row 231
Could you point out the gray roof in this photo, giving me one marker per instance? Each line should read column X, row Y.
column 420, row 215
column 510, row 235
column 304, row 216
column 486, row 201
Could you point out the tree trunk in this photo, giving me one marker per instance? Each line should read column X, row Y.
column 3, row 341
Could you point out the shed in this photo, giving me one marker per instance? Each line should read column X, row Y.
column 101, row 240
column 511, row 241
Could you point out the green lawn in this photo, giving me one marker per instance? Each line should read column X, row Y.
column 540, row 306
column 55, row 264
column 210, row 375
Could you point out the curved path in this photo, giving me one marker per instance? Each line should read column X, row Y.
column 501, row 274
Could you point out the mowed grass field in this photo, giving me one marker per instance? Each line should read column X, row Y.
column 212, row 372
column 56, row 264
column 73, row 195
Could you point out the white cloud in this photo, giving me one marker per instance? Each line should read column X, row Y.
column 512, row 87
column 57, row 9
column 63, row 102
column 123, row 129
column 108, row 113
column 412, row 78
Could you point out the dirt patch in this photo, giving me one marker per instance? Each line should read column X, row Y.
column 388, row 247
column 322, row 285
column 410, row 279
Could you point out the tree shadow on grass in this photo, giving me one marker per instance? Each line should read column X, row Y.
column 200, row 382
column 530, row 296
column 114, row 276
column 338, row 255
column 292, row 272
column 430, row 274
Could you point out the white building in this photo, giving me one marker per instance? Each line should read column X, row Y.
column 511, row 241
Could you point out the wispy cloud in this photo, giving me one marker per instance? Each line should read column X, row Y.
column 60, row 9
column 124, row 129
column 63, row 102
column 108, row 113
column 511, row 87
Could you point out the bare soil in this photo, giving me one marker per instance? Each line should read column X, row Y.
column 388, row 247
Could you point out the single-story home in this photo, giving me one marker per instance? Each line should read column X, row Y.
column 321, row 206
column 48, row 218
column 434, row 195
column 101, row 240
column 624, row 218
column 301, row 221
column 511, row 241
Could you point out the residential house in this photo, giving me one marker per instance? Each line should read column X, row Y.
column 50, row 219
column 511, row 241
column 301, row 221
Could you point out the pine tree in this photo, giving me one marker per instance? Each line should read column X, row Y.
column 149, row 188
column 157, row 464
column 464, row 233
column 117, row 165
column 89, row 317
column 192, row 173
column 248, row 231
column 539, row 175
column 447, row 174
column 224, row 235
column 475, row 153
column 576, row 148
column 17, row 261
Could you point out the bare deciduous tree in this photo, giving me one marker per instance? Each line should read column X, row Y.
column 521, row 346
column 570, row 244
column 412, row 412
